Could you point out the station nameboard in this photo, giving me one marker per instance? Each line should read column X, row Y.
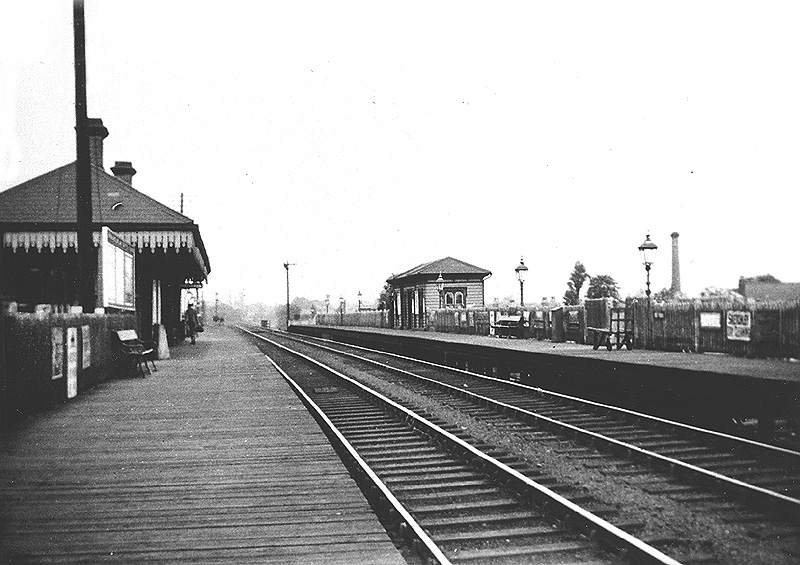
column 116, row 272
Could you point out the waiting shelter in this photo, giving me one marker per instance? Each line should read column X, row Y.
column 444, row 283
column 161, row 248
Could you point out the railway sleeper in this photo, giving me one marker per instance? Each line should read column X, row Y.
column 452, row 485
column 478, row 493
column 469, row 507
column 577, row 551
column 425, row 469
column 399, row 465
column 417, row 479
column 483, row 535
column 445, row 524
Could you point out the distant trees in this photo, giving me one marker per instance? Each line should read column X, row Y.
column 575, row 283
column 602, row 286
column 725, row 294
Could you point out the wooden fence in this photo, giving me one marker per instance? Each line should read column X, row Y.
column 753, row 329
column 371, row 319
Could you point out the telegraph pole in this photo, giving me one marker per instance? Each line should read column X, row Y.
column 83, row 174
column 286, row 266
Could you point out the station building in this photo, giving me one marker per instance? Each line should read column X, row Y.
column 39, row 249
column 444, row 283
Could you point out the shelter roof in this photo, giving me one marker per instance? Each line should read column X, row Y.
column 51, row 199
column 446, row 266
column 49, row 203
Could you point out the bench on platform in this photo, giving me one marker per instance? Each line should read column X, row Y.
column 137, row 352
column 509, row 326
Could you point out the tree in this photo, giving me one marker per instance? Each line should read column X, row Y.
column 385, row 297
column 602, row 286
column 574, row 284
column 663, row 295
column 724, row 294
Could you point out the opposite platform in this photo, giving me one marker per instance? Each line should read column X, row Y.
column 724, row 364
column 213, row 459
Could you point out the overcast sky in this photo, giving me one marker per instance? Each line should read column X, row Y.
column 360, row 139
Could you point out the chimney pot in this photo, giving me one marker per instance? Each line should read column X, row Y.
column 123, row 170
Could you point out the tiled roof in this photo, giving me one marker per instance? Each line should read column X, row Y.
column 51, row 199
column 446, row 266
column 48, row 202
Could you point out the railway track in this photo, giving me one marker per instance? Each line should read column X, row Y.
column 457, row 499
column 743, row 483
column 765, row 475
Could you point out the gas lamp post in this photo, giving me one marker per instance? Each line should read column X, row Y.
column 522, row 272
column 648, row 250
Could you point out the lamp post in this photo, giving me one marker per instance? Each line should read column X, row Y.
column 648, row 250
column 521, row 271
column 327, row 302
column 440, row 288
column 359, row 301
column 341, row 310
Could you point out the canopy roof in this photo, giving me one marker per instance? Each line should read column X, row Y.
column 47, row 203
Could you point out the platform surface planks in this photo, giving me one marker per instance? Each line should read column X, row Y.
column 210, row 460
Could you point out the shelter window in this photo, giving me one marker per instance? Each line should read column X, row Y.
column 455, row 297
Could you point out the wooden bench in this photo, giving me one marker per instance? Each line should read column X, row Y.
column 137, row 352
column 508, row 326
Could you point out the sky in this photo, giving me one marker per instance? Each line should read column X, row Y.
column 356, row 140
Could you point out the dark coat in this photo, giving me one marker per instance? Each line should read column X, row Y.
column 191, row 318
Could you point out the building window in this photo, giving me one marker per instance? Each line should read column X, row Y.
column 455, row 297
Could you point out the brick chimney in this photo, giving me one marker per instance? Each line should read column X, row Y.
column 676, row 265
column 97, row 133
column 123, row 170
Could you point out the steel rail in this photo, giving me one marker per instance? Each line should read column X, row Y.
column 430, row 548
column 716, row 435
column 580, row 519
column 786, row 503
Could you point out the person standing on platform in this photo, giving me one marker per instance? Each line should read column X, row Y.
column 191, row 321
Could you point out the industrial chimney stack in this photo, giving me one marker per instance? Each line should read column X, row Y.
column 676, row 266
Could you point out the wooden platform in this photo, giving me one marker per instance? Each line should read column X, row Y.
column 210, row 460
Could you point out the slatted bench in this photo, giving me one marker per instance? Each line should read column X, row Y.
column 136, row 351
column 509, row 326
